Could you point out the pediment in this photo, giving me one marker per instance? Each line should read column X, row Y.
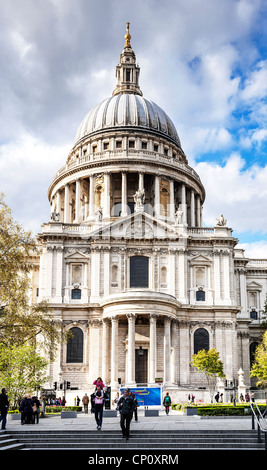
column 254, row 286
column 136, row 226
column 200, row 260
column 76, row 256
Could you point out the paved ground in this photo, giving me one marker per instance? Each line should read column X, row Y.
column 173, row 421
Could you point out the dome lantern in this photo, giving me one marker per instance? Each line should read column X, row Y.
column 127, row 72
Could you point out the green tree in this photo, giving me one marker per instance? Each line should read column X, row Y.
column 259, row 368
column 22, row 371
column 209, row 363
column 20, row 320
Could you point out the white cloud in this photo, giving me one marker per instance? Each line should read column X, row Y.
column 240, row 194
column 256, row 250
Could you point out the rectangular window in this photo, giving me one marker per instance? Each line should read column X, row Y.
column 106, row 146
column 128, row 75
column 156, row 148
column 139, row 271
column 131, row 144
column 118, row 144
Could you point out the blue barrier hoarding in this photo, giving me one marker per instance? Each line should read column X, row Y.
column 146, row 396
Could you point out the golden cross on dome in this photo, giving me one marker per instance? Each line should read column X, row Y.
column 127, row 36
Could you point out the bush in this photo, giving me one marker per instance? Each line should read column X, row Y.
column 58, row 409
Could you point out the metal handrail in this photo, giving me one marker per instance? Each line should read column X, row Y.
column 262, row 417
column 260, row 427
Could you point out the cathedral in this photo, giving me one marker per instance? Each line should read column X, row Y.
column 126, row 263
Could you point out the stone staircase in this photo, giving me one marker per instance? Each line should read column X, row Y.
column 139, row 440
column 8, row 442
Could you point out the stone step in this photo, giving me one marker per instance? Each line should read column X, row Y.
column 139, row 439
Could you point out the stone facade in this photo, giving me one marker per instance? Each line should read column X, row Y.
column 126, row 263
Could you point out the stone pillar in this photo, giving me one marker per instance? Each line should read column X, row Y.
column 192, row 209
column 106, row 211
column 174, row 350
column 91, row 198
column 172, row 203
column 198, row 212
column 167, row 351
column 58, row 204
column 152, row 349
column 114, row 352
column 184, row 204
column 77, row 201
column 59, row 269
column 141, row 180
column 67, row 205
column 124, row 202
column 131, row 350
column 105, row 350
column 157, row 197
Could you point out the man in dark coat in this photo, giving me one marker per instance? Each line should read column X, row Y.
column 3, row 407
column 126, row 407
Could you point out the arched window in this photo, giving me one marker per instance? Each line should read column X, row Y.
column 200, row 296
column 139, row 271
column 75, row 346
column 201, row 340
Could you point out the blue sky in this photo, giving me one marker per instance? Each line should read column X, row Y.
column 203, row 61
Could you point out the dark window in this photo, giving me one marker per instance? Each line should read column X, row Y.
column 118, row 144
column 200, row 295
column 76, row 294
column 201, row 340
column 252, row 349
column 131, row 206
column 254, row 315
column 144, row 145
column 128, row 75
column 75, row 346
column 139, row 271
column 156, row 148
column 131, row 144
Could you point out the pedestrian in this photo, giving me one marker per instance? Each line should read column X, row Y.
column 99, row 382
column 27, row 410
column 116, row 399
column 167, row 403
column 99, row 397
column 4, row 403
column 221, row 398
column 85, row 401
column 36, row 410
column 252, row 397
column 247, row 397
column 126, row 408
column 136, row 405
column 78, row 400
column 241, row 398
column 63, row 403
column 217, row 396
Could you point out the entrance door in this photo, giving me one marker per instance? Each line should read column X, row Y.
column 141, row 366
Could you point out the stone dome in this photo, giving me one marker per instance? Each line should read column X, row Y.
column 128, row 110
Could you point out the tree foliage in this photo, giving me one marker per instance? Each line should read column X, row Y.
column 20, row 320
column 259, row 368
column 22, row 370
column 209, row 363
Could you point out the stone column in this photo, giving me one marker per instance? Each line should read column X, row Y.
column 167, row 351
column 198, row 212
column 58, row 204
column 174, row 351
column 152, row 349
column 91, row 198
column 77, row 201
column 131, row 350
column 114, row 352
column 184, row 204
column 105, row 350
column 124, row 194
column 141, row 180
column 67, row 204
column 192, row 209
column 172, row 204
column 157, row 197
column 106, row 211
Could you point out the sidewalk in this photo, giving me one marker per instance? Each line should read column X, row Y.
column 172, row 422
